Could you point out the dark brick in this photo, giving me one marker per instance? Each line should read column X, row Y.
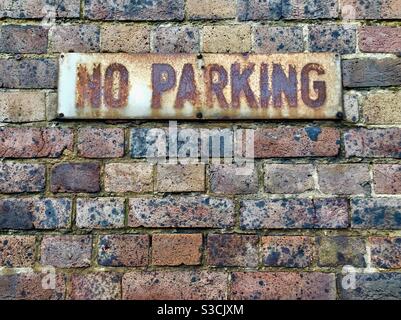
column 74, row 38
column 23, row 39
column 332, row 38
column 269, row 39
column 259, row 10
column 21, row 177
column 183, row 39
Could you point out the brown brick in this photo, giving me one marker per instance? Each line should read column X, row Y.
column 127, row 250
column 373, row 143
column 181, row 212
column 287, row 251
column 96, row 286
column 125, row 38
column 22, row 106
column 385, row 252
column 387, row 178
column 229, row 250
column 101, row 142
column 23, row 39
column 374, row 9
column 74, row 38
column 382, row 107
column 227, row 39
column 17, row 251
column 176, row 249
column 211, row 9
column 174, row 285
column 128, row 177
column 289, row 178
column 66, row 251
column 380, row 39
column 30, row 9
column 344, row 178
column 296, row 142
column 183, row 39
column 332, row 38
column 180, row 178
column 269, row 39
column 283, row 286
column 35, row 142
column 75, row 177
column 21, row 177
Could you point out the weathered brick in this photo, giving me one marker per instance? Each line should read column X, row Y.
column 385, row 252
column 373, row 143
column 341, row 251
column 34, row 142
column 100, row 213
column 22, row 106
column 294, row 214
column 180, row 177
column 174, row 285
column 387, row 178
column 259, row 10
column 33, row 9
column 176, row 249
column 372, row 9
column 74, row 38
column 125, row 38
column 181, row 212
column 382, row 107
column 287, row 251
column 296, row 142
column 127, row 250
column 283, row 286
column 379, row 213
column 344, row 178
column 269, row 39
column 149, row 143
column 372, row 286
column 233, row 179
column 28, row 73
column 380, row 39
column 351, row 102
column 66, row 251
column 332, row 38
column 23, row 39
column 35, row 213
column 17, row 251
column 183, row 39
column 75, row 177
column 227, row 39
column 128, row 177
column 211, row 9
column 101, row 142
column 96, row 286
column 370, row 72
column 135, row 10
column 227, row 250
column 22, row 177
column 288, row 178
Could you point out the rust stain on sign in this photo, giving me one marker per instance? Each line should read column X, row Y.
column 212, row 86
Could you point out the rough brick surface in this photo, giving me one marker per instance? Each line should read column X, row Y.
column 374, row 9
column 125, row 38
column 21, row 177
column 382, row 107
column 17, row 106
column 180, row 178
column 128, row 177
column 17, row 251
column 96, row 286
column 176, row 40
column 74, row 38
column 332, row 38
column 101, row 143
column 387, row 178
column 385, row 252
column 233, row 179
column 226, row 39
column 380, row 39
column 278, row 39
column 211, row 9
column 23, row 39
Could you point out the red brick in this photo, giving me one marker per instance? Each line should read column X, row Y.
column 269, row 39
column 66, row 251
column 28, row 9
column 211, row 9
column 21, row 177
column 101, row 143
column 128, row 177
column 74, row 38
column 23, row 39
column 232, row 250
column 183, row 39
column 22, row 106
column 385, row 252
column 175, row 285
column 34, row 142
column 176, row 249
column 233, row 179
column 96, row 286
column 125, row 38
column 283, row 286
column 387, row 178
column 380, row 39
column 127, row 250
column 332, row 38
column 17, row 251
column 374, row 9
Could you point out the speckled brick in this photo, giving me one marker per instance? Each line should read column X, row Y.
column 149, row 142
column 373, row 9
column 183, row 39
column 180, row 177
column 351, row 103
column 125, row 38
column 75, row 177
column 385, row 252
column 23, row 39
column 174, row 285
column 35, row 142
column 382, row 107
column 128, row 177
column 378, row 213
column 31, row 9
column 66, row 251
column 332, row 38
column 100, row 213
column 283, row 286
column 126, row 250
column 17, row 251
column 181, row 212
column 294, row 213
column 211, row 9
column 380, row 39
column 387, row 178
column 22, row 106
column 259, row 10
column 101, row 142
column 229, row 250
column 269, row 39
column 287, row 251
column 176, row 249
column 226, row 39
column 74, row 38
column 373, row 143
column 96, row 286
column 233, row 179
column 289, row 178
column 21, row 177
column 309, row 9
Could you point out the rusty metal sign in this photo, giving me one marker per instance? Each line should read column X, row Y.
column 211, row 86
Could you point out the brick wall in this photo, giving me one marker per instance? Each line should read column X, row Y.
column 78, row 196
